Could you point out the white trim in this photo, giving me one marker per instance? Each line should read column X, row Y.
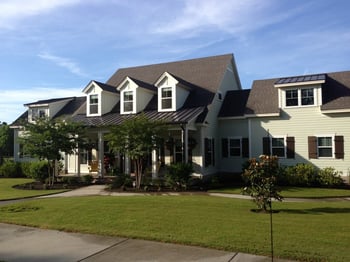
column 332, row 136
column 262, row 115
column 284, row 144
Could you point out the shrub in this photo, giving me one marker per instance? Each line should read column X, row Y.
column 301, row 175
column 71, row 180
column 25, row 166
column 329, row 177
column 121, row 181
column 87, row 179
column 10, row 169
column 39, row 170
column 178, row 175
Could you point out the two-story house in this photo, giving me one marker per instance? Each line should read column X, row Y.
column 187, row 95
column 212, row 122
column 301, row 119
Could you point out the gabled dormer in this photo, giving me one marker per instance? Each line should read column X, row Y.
column 172, row 92
column 300, row 91
column 135, row 95
column 100, row 98
column 45, row 108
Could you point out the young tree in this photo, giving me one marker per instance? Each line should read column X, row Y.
column 47, row 139
column 136, row 137
column 260, row 177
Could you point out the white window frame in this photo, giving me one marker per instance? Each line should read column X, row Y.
column 128, row 101
column 229, row 146
column 171, row 98
column 35, row 113
column 284, row 145
column 299, row 97
column 332, row 146
column 94, row 104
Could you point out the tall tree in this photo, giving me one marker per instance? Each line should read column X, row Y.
column 6, row 141
column 136, row 137
column 47, row 139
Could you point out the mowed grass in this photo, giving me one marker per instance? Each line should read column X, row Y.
column 8, row 192
column 306, row 231
column 296, row 192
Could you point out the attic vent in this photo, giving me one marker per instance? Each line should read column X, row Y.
column 295, row 80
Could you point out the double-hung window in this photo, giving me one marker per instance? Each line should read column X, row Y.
column 93, row 100
column 128, row 101
column 325, row 146
column 166, row 98
column 299, row 97
column 235, row 146
column 278, row 146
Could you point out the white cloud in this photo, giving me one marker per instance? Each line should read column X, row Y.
column 13, row 100
column 13, row 11
column 230, row 16
column 63, row 62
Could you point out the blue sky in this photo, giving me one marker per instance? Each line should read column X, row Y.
column 53, row 48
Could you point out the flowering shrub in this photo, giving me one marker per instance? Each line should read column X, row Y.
column 260, row 177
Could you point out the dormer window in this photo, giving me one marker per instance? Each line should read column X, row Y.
column 128, row 103
column 300, row 97
column 166, row 98
column 38, row 112
column 93, row 99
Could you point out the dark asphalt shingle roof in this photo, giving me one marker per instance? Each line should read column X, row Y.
column 234, row 103
column 263, row 97
column 206, row 72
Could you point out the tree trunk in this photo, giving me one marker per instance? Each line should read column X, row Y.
column 138, row 172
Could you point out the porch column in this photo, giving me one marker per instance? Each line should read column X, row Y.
column 100, row 154
column 184, row 132
column 78, row 162
column 154, row 164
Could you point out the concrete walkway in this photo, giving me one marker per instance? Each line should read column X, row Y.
column 27, row 244
column 19, row 243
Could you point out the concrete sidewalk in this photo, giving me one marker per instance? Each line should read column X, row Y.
column 19, row 243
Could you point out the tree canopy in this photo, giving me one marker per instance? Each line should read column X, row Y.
column 48, row 139
column 6, row 141
column 136, row 137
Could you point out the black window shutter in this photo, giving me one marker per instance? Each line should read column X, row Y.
column 245, row 147
column 339, row 147
column 290, row 147
column 266, row 146
column 224, row 147
column 312, row 143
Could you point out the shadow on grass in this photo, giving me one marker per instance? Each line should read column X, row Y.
column 317, row 211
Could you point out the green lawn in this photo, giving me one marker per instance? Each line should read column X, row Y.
column 8, row 192
column 309, row 231
column 296, row 192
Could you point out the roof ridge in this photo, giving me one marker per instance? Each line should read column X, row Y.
column 176, row 61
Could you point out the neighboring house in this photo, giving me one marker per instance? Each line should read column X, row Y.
column 212, row 122
column 301, row 119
